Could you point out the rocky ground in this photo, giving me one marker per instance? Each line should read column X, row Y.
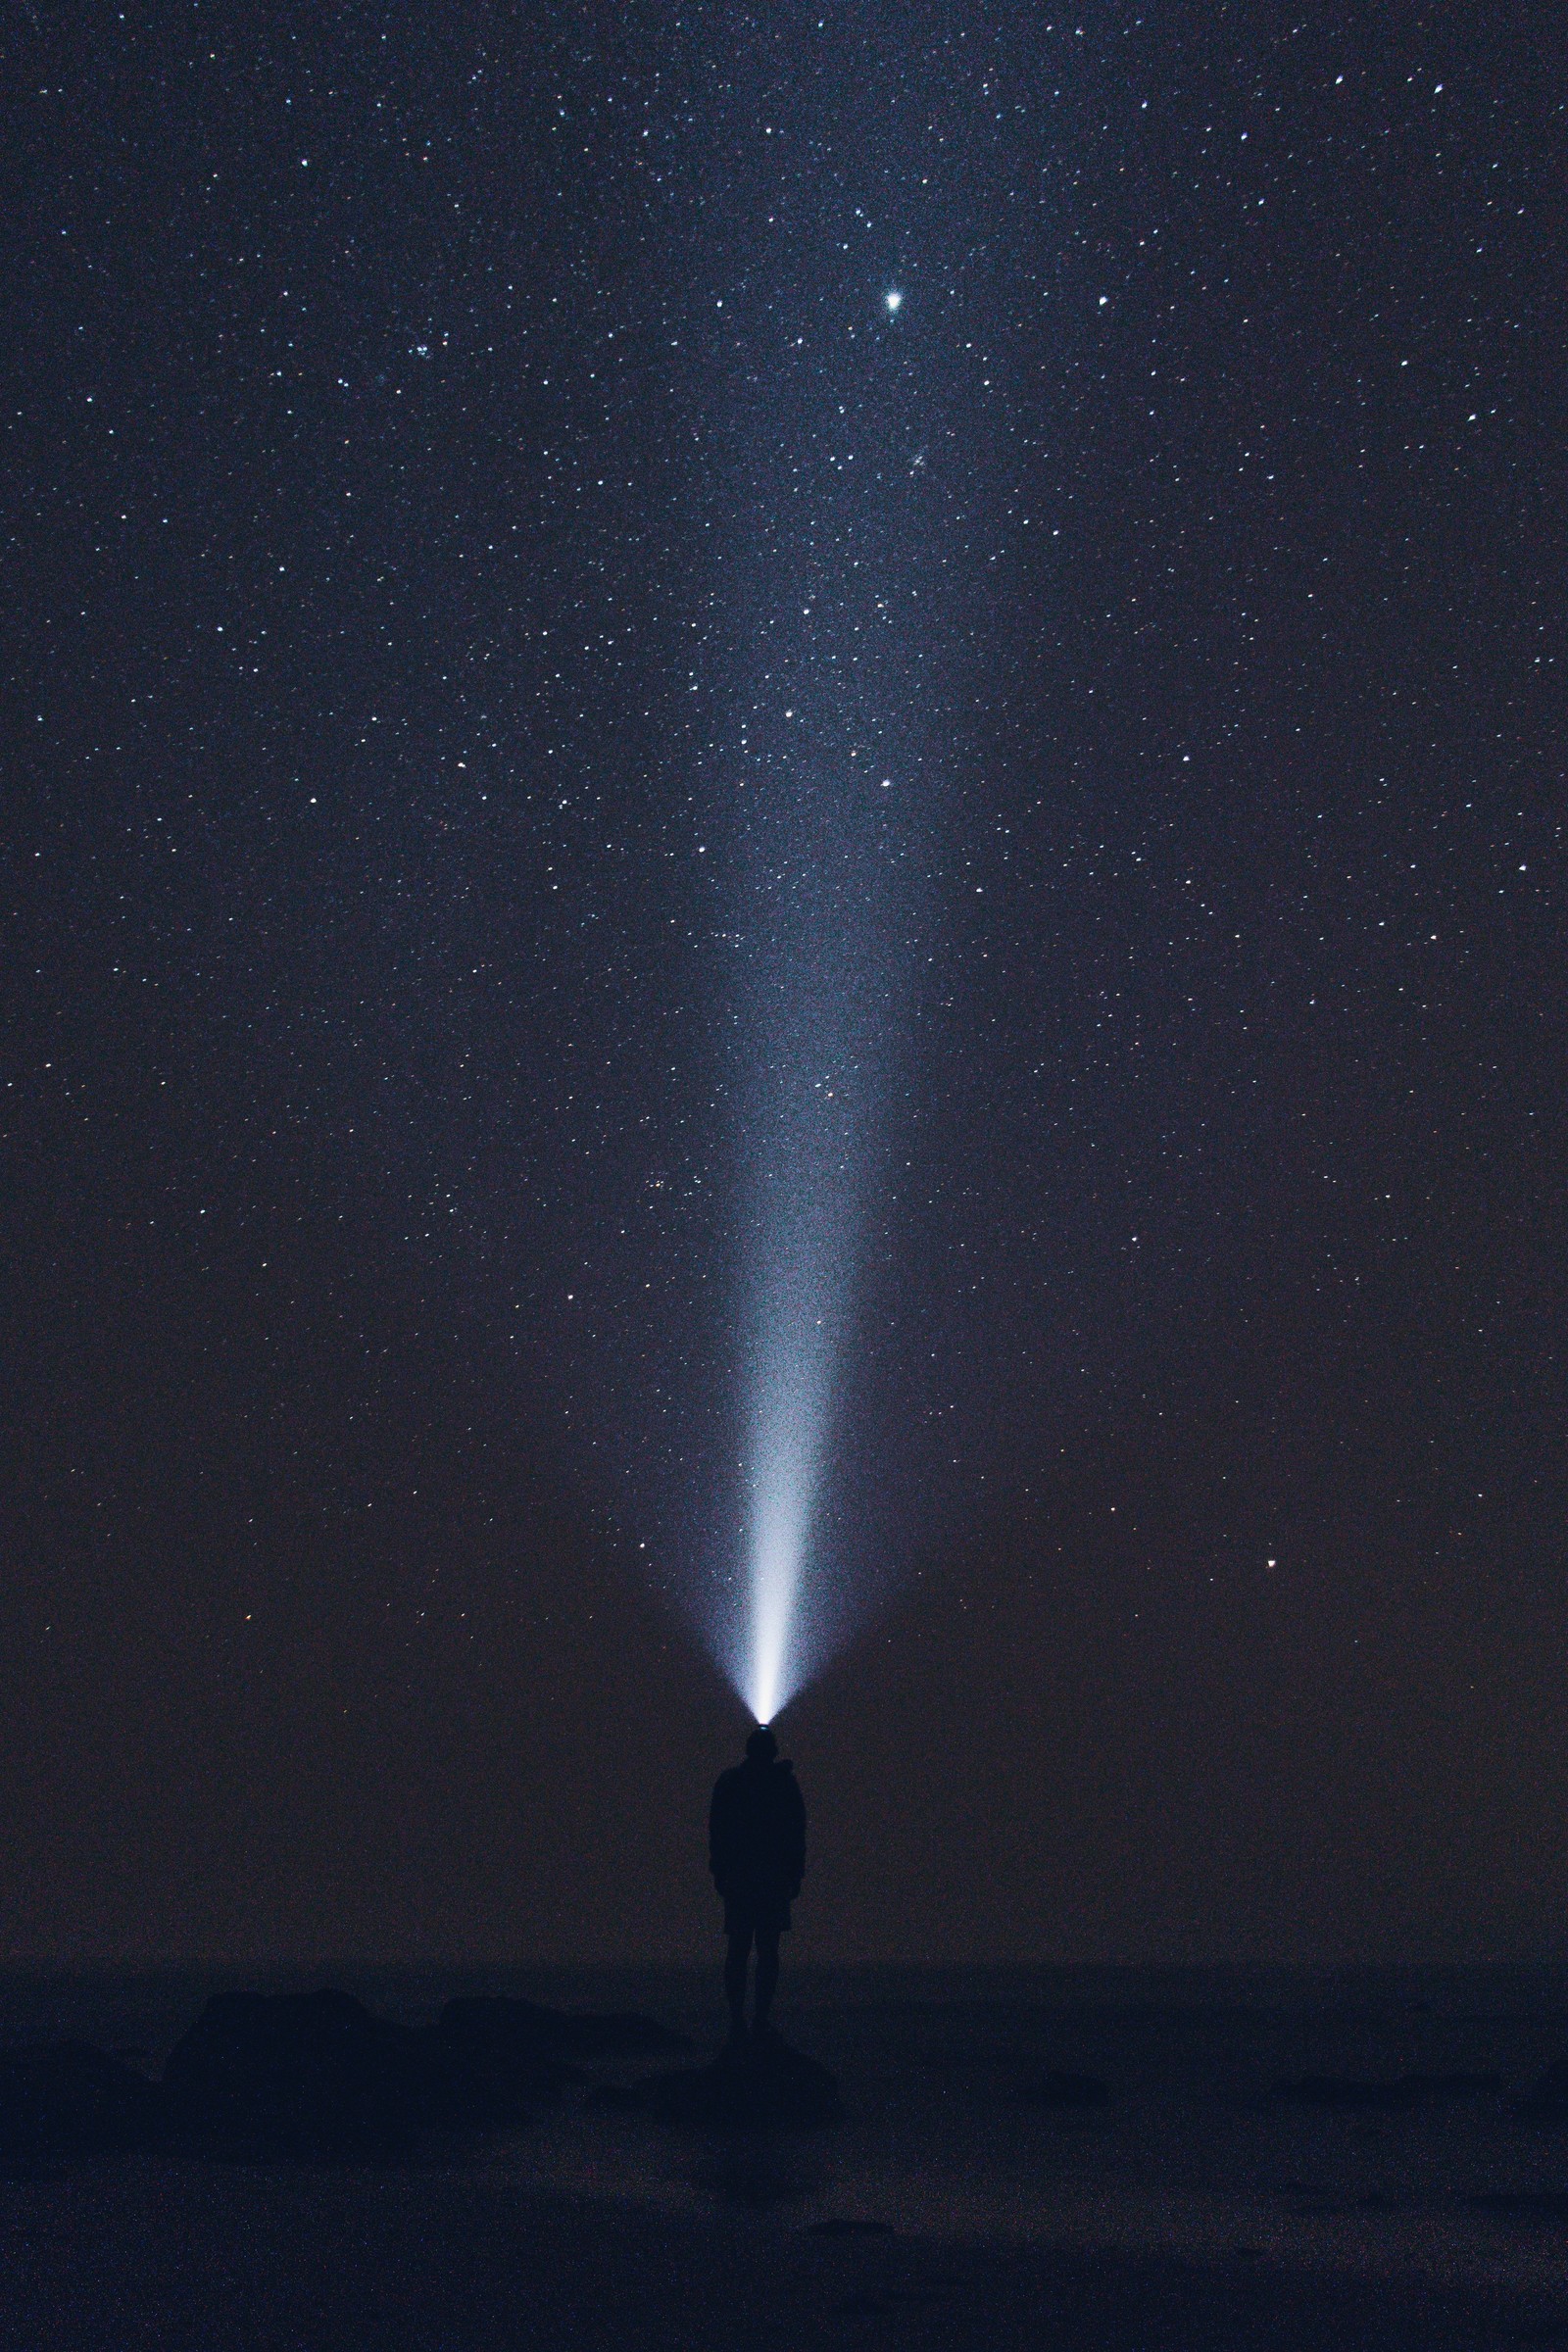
column 918, row 2164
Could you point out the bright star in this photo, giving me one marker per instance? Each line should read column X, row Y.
column 893, row 298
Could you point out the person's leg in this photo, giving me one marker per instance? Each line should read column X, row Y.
column 740, row 1951
column 767, row 1973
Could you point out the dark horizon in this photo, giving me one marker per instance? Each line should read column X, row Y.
column 441, row 467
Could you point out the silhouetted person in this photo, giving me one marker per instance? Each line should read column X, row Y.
column 757, row 1853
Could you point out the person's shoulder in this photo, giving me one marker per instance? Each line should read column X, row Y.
column 728, row 1778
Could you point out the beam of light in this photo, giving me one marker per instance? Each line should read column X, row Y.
column 837, row 602
column 791, row 1379
column 812, row 1113
column 781, row 1516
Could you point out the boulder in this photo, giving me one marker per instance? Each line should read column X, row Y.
column 318, row 2071
column 1551, row 2204
column 1391, row 2096
column 73, row 2100
column 760, row 2084
column 1052, row 2088
column 616, row 2098
column 497, row 2060
column 305, row 2072
column 1547, row 2103
column 522, row 2028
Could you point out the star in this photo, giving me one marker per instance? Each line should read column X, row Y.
column 894, row 300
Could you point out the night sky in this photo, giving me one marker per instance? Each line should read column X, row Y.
column 581, row 583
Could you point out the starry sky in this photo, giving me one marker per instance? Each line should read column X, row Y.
column 581, row 584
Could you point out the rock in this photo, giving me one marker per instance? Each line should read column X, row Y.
column 309, row 2074
column 305, row 2072
column 73, row 2100
column 555, row 2033
column 1306, row 2200
column 1402, row 2091
column 318, row 2071
column 760, row 2085
column 1054, row 2088
column 615, row 2034
column 1547, row 2103
column 300, row 2070
column 1452, row 2087
column 1332, row 2090
column 496, row 2063
column 1549, row 2204
column 616, row 2098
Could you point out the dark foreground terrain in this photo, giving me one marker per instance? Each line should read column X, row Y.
column 1118, row 2161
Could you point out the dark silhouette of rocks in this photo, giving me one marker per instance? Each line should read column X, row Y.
column 1547, row 2103
column 618, row 2098
column 311, row 2074
column 308, row 2072
column 1549, row 2204
column 73, row 2100
column 1304, row 2199
column 494, row 2063
column 843, row 2225
column 1352, row 2092
column 493, row 2021
column 319, row 2071
column 1054, row 2088
column 760, row 2084
column 1453, row 2086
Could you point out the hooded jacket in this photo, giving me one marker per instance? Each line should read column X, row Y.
column 756, row 1832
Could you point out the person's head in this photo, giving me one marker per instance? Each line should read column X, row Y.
column 762, row 1747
